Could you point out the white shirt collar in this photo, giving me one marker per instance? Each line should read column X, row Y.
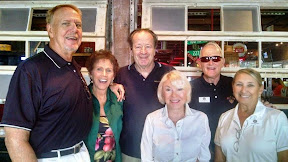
column 256, row 117
column 188, row 112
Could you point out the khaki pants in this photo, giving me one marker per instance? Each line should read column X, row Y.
column 126, row 158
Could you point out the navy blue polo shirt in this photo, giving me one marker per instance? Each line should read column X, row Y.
column 48, row 98
column 212, row 99
column 140, row 100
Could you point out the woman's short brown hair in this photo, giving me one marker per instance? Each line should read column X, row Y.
column 98, row 55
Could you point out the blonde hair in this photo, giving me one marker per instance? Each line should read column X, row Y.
column 253, row 73
column 177, row 79
column 51, row 12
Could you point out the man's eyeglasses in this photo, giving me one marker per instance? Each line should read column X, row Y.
column 208, row 58
column 236, row 144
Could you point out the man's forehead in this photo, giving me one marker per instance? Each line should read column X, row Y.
column 211, row 50
column 65, row 10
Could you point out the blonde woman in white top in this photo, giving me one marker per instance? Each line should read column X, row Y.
column 175, row 132
column 251, row 131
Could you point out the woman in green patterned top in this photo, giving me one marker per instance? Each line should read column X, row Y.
column 103, row 139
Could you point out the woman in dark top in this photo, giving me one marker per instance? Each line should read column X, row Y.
column 103, row 139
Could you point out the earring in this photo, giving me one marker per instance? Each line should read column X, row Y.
column 112, row 82
column 91, row 81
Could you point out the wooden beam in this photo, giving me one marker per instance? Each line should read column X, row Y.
column 121, row 30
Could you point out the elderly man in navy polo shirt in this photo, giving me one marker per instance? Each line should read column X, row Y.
column 48, row 110
column 212, row 92
column 140, row 80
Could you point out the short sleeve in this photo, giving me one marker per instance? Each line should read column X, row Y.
column 22, row 98
column 282, row 132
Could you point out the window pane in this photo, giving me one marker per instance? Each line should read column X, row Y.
column 39, row 20
column 89, row 19
column 12, row 52
column 204, row 19
column 241, row 54
column 36, row 47
column 83, row 52
column 241, row 19
column 193, row 52
column 170, row 52
column 168, row 18
column 13, row 19
column 274, row 19
column 275, row 54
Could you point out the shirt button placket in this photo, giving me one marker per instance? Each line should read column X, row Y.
column 177, row 142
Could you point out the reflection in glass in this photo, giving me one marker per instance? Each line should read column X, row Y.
column 170, row 53
column 36, row 47
column 13, row 19
column 39, row 20
column 193, row 52
column 12, row 52
column 241, row 54
column 275, row 54
column 204, row 19
column 168, row 18
column 274, row 19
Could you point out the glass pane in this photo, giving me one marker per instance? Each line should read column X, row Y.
column 275, row 90
column 12, row 52
column 39, row 20
column 83, row 52
column 36, row 47
column 170, row 53
column 89, row 19
column 241, row 19
column 193, row 51
column 204, row 19
column 15, row 19
column 275, row 54
column 274, row 19
column 168, row 18
column 241, row 54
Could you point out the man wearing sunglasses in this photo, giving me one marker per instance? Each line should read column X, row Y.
column 212, row 92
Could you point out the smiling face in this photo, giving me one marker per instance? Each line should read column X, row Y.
column 246, row 89
column 65, row 31
column 102, row 74
column 211, row 69
column 143, row 49
column 174, row 94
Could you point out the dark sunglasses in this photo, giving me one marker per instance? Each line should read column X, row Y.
column 213, row 58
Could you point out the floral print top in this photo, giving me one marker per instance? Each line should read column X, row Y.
column 105, row 143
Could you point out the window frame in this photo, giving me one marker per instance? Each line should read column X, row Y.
column 251, row 36
column 99, row 36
